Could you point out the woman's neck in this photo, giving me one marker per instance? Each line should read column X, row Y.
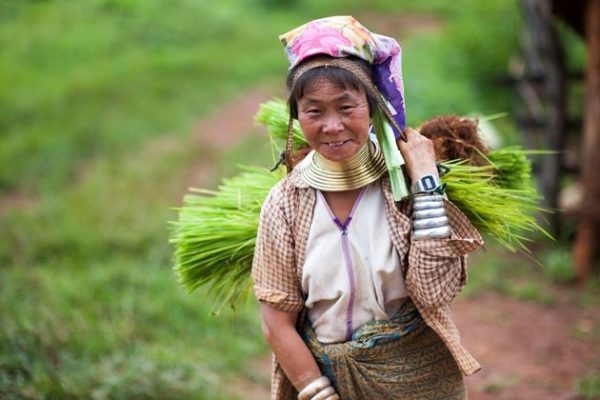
column 341, row 203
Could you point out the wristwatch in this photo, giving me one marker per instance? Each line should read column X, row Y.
column 427, row 184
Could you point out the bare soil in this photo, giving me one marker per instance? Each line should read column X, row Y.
column 224, row 129
column 528, row 350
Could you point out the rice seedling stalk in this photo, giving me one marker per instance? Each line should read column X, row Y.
column 275, row 116
column 393, row 159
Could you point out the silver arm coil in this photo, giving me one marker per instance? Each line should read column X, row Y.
column 429, row 218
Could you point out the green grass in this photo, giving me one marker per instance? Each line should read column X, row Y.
column 589, row 387
column 544, row 276
column 511, row 274
column 98, row 99
column 108, row 330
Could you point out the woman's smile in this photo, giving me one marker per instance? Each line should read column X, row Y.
column 337, row 144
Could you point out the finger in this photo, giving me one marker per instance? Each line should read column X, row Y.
column 412, row 134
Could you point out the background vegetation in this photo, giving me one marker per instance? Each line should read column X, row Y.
column 98, row 100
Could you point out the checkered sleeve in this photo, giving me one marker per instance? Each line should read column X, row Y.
column 274, row 267
column 437, row 269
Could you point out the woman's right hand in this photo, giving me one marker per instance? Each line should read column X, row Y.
column 418, row 153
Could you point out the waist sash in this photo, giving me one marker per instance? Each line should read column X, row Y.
column 397, row 359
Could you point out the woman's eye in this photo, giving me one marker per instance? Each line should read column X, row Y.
column 347, row 107
column 313, row 111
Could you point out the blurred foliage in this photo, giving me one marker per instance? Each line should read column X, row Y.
column 589, row 387
column 98, row 99
column 513, row 275
column 557, row 264
column 114, row 329
column 82, row 79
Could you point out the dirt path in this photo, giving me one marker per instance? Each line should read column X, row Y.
column 224, row 129
column 528, row 350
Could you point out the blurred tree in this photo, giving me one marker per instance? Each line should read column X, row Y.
column 542, row 83
column 544, row 91
column 587, row 241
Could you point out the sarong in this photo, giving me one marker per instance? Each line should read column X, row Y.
column 398, row 359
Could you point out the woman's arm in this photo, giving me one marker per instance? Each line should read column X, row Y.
column 436, row 267
column 435, row 280
column 279, row 328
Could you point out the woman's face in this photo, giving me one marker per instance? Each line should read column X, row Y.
column 335, row 121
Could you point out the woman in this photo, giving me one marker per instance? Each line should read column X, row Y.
column 354, row 293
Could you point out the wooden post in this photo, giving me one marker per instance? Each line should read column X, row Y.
column 546, row 98
column 587, row 241
column 555, row 88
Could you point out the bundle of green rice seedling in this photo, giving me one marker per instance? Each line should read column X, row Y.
column 214, row 235
column 499, row 201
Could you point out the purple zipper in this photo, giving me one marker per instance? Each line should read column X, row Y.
column 343, row 227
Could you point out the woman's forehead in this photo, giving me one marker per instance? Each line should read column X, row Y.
column 321, row 88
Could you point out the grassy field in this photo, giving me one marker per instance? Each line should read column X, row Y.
column 98, row 101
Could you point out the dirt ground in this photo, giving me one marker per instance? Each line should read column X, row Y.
column 528, row 350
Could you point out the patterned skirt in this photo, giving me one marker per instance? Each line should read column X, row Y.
column 397, row 359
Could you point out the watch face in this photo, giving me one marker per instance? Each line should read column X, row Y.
column 428, row 183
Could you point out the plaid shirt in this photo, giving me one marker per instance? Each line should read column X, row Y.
column 434, row 270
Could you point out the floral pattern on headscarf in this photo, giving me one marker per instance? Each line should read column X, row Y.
column 344, row 36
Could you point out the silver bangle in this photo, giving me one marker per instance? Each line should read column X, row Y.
column 429, row 218
column 428, row 223
column 434, row 233
column 428, row 197
column 430, row 213
column 426, row 205
column 325, row 394
column 314, row 387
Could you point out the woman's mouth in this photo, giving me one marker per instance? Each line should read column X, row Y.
column 337, row 144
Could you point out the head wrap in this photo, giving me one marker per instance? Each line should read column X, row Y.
column 343, row 36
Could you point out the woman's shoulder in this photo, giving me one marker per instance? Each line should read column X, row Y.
column 287, row 195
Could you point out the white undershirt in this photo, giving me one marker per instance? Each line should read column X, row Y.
column 355, row 277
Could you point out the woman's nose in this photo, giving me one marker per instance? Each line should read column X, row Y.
column 332, row 123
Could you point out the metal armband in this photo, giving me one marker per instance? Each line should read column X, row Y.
column 429, row 218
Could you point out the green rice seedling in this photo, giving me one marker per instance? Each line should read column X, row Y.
column 498, row 205
column 275, row 116
column 214, row 236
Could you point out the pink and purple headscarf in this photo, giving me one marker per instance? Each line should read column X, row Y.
column 343, row 36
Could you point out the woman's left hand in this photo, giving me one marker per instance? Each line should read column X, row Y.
column 418, row 153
